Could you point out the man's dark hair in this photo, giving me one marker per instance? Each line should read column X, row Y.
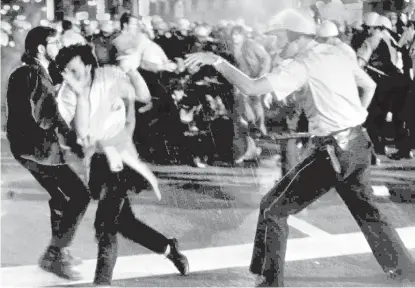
column 37, row 36
column 66, row 25
column 125, row 19
column 238, row 29
column 85, row 52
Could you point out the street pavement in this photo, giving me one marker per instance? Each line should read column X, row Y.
column 213, row 214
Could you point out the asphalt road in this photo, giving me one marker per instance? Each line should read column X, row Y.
column 213, row 213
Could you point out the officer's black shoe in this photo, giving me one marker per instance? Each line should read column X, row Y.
column 54, row 261
column 178, row 259
column 401, row 155
column 400, row 275
column 264, row 282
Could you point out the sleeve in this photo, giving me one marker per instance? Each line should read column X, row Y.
column 66, row 103
column 289, row 77
column 363, row 80
column 130, row 61
column 153, row 57
column 42, row 101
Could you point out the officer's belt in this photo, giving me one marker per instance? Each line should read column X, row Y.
column 336, row 139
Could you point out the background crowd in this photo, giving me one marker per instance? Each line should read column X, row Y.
column 195, row 117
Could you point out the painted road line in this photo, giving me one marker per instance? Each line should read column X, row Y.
column 206, row 259
column 306, row 228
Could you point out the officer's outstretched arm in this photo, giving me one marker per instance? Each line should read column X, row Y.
column 247, row 85
column 289, row 77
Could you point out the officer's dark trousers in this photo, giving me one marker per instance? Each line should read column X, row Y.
column 69, row 198
column 306, row 182
column 114, row 214
column 406, row 139
column 389, row 96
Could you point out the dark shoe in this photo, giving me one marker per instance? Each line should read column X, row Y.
column 401, row 276
column 67, row 255
column 401, row 155
column 264, row 282
column 178, row 259
column 53, row 261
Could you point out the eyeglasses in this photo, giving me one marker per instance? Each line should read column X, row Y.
column 56, row 42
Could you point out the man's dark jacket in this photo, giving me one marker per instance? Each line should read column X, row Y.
column 33, row 118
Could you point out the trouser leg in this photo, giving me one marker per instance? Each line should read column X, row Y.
column 386, row 245
column 69, row 199
column 135, row 230
column 106, row 227
column 295, row 191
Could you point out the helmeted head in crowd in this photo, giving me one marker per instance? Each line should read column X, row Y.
column 297, row 26
column 327, row 30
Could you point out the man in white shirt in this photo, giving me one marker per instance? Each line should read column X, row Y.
column 339, row 154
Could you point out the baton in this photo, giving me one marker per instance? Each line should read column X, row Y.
column 284, row 136
column 376, row 70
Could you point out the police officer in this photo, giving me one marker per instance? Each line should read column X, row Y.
column 339, row 154
column 329, row 33
column 378, row 57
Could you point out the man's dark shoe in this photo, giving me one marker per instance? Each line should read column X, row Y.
column 53, row 261
column 401, row 276
column 263, row 282
column 178, row 259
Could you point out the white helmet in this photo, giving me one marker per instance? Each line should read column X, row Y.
column 384, row 21
column 371, row 19
column 327, row 29
column 184, row 23
column 295, row 20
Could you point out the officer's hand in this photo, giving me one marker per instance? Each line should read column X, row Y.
column 170, row 67
column 196, row 60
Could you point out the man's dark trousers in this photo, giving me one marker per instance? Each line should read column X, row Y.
column 308, row 181
column 68, row 202
column 115, row 214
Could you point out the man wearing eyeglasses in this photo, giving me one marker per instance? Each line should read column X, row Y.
column 33, row 124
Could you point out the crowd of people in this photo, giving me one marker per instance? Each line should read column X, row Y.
column 182, row 93
column 200, row 107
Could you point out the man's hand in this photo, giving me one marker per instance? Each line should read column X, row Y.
column 145, row 108
column 78, row 86
column 196, row 60
column 170, row 67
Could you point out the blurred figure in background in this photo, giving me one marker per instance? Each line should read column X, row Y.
column 253, row 60
column 70, row 36
column 102, row 43
column 378, row 56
